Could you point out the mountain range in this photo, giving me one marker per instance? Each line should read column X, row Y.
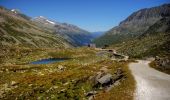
column 144, row 33
column 17, row 28
column 134, row 25
column 75, row 35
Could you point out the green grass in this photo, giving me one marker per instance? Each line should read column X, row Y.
column 18, row 31
column 48, row 82
column 153, row 65
column 147, row 47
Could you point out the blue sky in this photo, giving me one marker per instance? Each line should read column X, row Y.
column 92, row 15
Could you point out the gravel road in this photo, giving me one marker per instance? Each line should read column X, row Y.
column 150, row 83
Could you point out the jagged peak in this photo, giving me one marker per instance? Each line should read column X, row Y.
column 44, row 19
column 148, row 13
column 16, row 11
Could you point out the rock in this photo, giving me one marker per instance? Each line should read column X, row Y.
column 55, row 87
column 90, row 78
column 106, row 79
column 61, row 67
column 126, row 58
column 66, row 83
column 73, row 80
column 109, row 88
column 99, row 75
column 7, row 70
column 30, row 85
column 63, row 90
column 91, row 93
column 117, row 83
column 118, row 75
column 100, row 88
column 13, row 83
column 163, row 63
column 40, row 73
column 119, row 71
column 91, row 98
column 157, row 58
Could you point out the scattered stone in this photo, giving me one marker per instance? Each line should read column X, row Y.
column 100, row 88
column 109, row 88
column 55, row 87
column 91, row 97
column 66, row 83
column 13, row 83
column 7, row 70
column 73, row 80
column 60, row 67
column 117, row 83
column 30, row 85
column 40, row 73
column 91, row 93
column 163, row 63
column 63, row 90
column 106, row 79
column 99, row 75
column 119, row 71
column 90, row 78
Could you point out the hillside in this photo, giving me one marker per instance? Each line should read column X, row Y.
column 72, row 33
column 136, row 24
column 154, row 42
column 17, row 29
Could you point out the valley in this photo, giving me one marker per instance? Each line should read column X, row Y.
column 44, row 59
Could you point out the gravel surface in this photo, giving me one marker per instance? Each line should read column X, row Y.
column 150, row 83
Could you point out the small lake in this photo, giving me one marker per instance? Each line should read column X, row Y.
column 49, row 61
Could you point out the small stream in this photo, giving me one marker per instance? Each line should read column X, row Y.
column 49, row 61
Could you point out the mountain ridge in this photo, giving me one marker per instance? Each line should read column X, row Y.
column 134, row 25
column 72, row 33
column 154, row 42
column 16, row 29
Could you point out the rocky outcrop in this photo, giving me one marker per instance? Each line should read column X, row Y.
column 105, row 81
column 163, row 63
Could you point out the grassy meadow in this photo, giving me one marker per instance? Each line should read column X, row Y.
column 21, row 80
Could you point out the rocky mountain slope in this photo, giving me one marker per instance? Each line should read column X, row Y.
column 135, row 25
column 17, row 29
column 72, row 33
column 154, row 42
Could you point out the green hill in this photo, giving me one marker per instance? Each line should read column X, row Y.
column 154, row 42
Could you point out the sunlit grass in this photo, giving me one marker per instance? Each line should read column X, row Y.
column 50, row 82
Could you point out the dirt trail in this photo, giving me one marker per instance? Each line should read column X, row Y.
column 150, row 83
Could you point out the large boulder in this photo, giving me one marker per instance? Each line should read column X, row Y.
column 105, row 80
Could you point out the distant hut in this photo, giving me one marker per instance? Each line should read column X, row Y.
column 92, row 45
